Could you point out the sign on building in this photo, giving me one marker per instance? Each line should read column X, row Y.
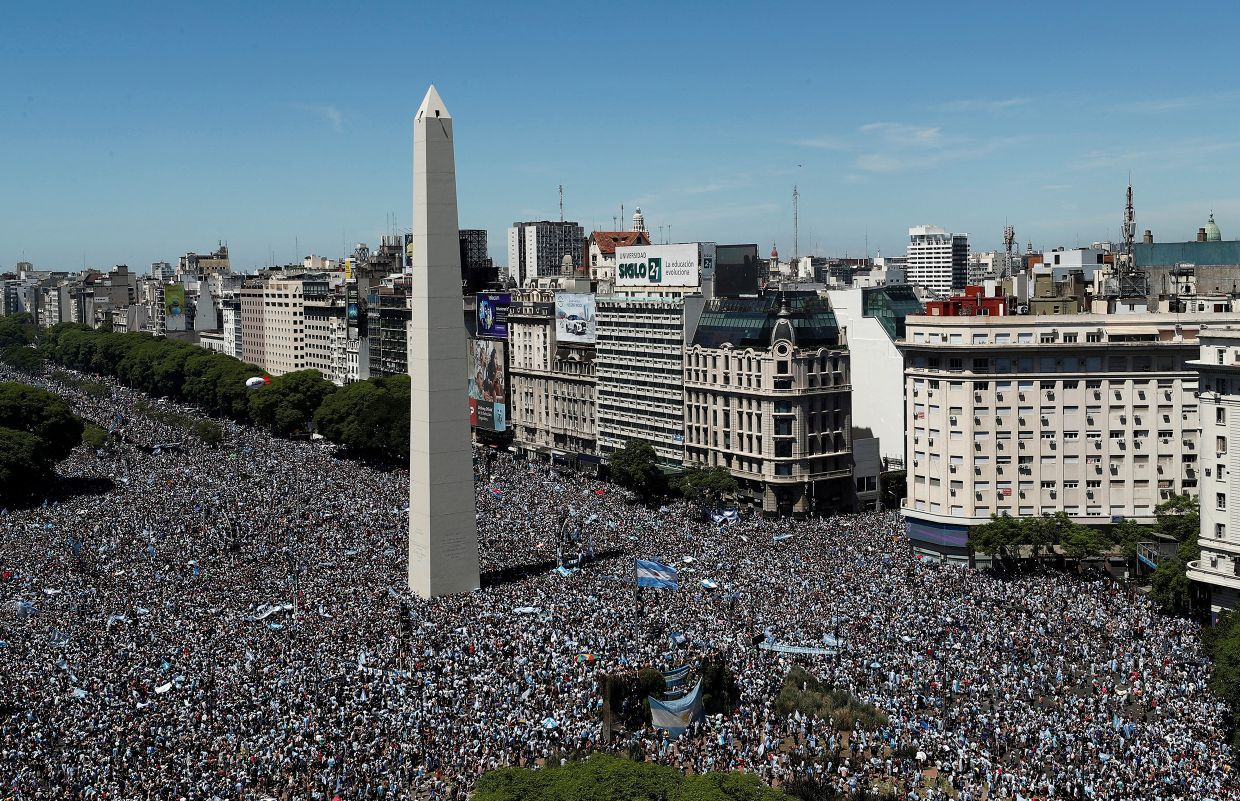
column 492, row 314
column 575, row 318
column 664, row 265
column 487, row 384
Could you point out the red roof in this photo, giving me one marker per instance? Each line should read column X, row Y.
column 608, row 241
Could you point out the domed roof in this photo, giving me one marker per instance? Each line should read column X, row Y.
column 1213, row 234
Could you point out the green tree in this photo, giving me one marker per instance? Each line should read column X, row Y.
column 1179, row 518
column 1001, row 537
column 369, row 418
column 287, row 405
column 894, row 485
column 23, row 359
column 37, row 430
column 602, row 777
column 1170, row 587
column 635, row 467
column 1080, row 542
column 706, row 486
column 94, row 436
column 16, row 329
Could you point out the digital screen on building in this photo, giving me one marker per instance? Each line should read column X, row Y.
column 575, row 319
column 492, row 311
column 487, row 383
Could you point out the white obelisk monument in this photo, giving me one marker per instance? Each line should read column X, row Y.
column 443, row 529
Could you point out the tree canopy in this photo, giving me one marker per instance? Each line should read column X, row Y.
column 369, row 418
column 610, row 778
column 37, row 430
column 287, row 405
column 636, row 467
column 706, row 485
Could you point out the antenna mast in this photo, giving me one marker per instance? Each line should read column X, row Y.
column 561, row 202
column 796, row 234
column 1009, row 239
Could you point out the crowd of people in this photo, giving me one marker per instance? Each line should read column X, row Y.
column 226, row 623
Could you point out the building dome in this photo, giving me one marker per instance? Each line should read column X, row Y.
column 1213, row 234
column 774, row 252
column 639, row 222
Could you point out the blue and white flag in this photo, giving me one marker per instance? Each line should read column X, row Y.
column 656, row 574
column 676, row 676
column 677, row 715
column 782, row 537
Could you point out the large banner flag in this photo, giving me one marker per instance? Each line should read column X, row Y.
column 725, row 516
column 656, row 574
column 676, row 676
column 677, row 715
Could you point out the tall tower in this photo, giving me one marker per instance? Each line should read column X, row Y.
column 443, row 529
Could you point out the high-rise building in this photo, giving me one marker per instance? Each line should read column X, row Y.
column 1089, row 414
column 477, row 269
column 767, row 395
column 387, row 323
column 537, row 249
column 253, row 317
column 201, row 264
column 937, row 260
column 1218, row 370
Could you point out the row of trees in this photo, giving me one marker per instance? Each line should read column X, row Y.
column 636, row 467
column 369, row 418
column 1178, row 521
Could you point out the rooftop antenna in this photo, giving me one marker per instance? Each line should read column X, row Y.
column 661, row 239
column 621, row 217
column 1009, row 239
column 561, row 202
column 796, row 236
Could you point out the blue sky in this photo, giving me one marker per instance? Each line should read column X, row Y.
column 133, row 132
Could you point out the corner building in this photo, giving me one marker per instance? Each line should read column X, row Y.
column 1091, row 415
column 767, row 395
column 1217, row 571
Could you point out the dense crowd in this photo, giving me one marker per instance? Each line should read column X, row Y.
column 225, row 623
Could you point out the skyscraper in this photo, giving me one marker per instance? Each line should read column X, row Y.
column 937, row 260
column 443, row 531
column 536, row 249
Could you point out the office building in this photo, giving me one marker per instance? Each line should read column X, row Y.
column 201, row 264
column 537, row 249
column 1091, row 415
column 552, row 379
column 477, row 269
column 937, row 260
column 1217, row 365
column 388, row 314
column 767, row 395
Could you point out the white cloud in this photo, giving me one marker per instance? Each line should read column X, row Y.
column 328, row 113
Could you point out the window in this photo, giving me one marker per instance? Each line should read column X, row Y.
column 1220, row 415
column 1069, row 337
column 1220, row 530
column 1220, row 501
column 1220, row 444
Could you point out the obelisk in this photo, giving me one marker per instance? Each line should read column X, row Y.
column 443, row 529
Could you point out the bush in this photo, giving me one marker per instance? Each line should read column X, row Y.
column 803, row 693
column 94, row 436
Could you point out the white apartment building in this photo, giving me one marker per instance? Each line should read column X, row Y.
column 1091, row 415
column 937, row 260
column 273, row 326
column 230, row 324
column 1218, row 369
column 537, row 249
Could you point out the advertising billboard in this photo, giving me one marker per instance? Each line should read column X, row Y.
column 492, row 310
column 487, row 382
column 174, row 307
column 574, row 318
column 737, row 270
column 663, row 265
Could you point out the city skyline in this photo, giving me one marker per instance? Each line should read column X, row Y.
column 123, row 149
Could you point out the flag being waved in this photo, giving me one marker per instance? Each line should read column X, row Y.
column 656, row 574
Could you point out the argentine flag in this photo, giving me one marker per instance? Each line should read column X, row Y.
column 656, row 574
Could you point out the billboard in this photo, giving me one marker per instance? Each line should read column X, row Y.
column 174, row 307
column 492, row 310
column 664, row 265
column 575, row 318
column 487, row 382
